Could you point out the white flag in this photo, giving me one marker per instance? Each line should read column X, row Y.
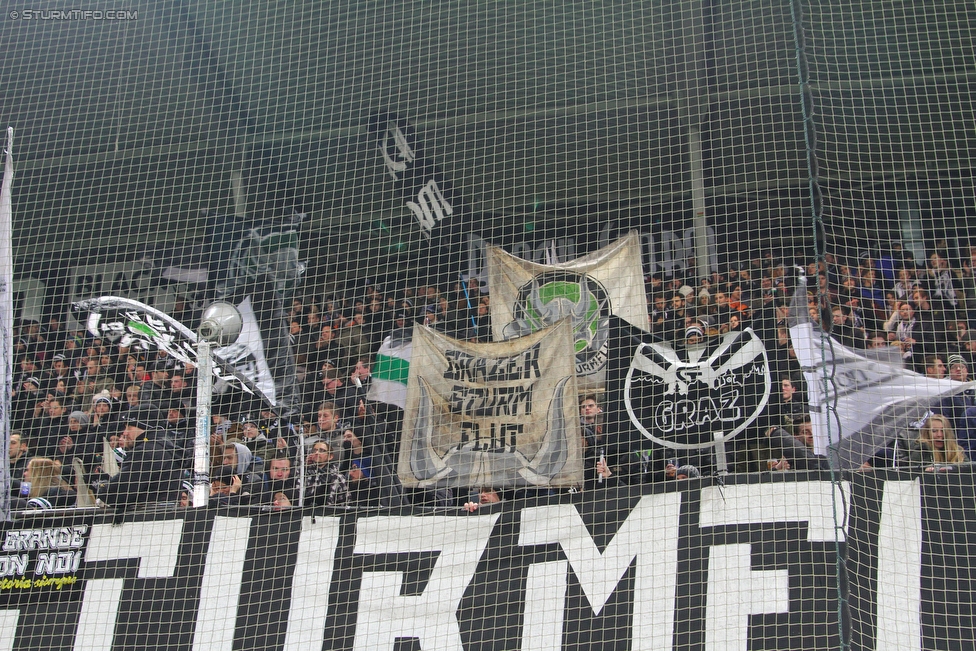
column 859, row 400
column 6, row 317
column 246, row 354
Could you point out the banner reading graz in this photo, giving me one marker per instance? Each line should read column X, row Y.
column 499, row 415
column 526, row 297
column 686, row 398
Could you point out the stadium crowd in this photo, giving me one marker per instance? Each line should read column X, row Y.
column 127, row 415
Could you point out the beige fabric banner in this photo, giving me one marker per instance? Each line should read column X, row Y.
column 498, row 415
column 526, row 297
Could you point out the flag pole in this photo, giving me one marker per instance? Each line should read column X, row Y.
column 201, row 443
column 721, row 461
column 471, row 313
column 6, row 319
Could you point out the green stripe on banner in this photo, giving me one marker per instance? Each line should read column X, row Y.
column 394, row 369
column 143, row 328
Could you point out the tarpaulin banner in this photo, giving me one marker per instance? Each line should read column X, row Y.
column 499, row 414
column 526, row 297
column 791, row 560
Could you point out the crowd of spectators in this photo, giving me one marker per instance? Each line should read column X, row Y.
column 920, row 310
column 128, row 415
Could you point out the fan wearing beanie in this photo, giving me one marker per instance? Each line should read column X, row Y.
column 149, row 473
column 960, row 406
column 75, row 440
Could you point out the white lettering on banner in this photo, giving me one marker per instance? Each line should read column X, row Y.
column 677, row 255
column 726, row 591
column 29, row 295
column 310, row 584
column 641, row 535
column 735, row 591
column 125, row 279
column 57, row 538
column 384, row 614
column 809, row 501
column 545, row 601
column 96, row 623
column 404, row 153
column 565, row 248
column 664, row 252
column 57, row 563
column 221, row 584
column 128, row 279
column 8, row 628
column 671, row 250
column 155, row 543
column 476, row 256
column 431, row 207
column 900, row 567
column 13, row 565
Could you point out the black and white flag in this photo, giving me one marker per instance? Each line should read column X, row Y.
column 141, row 327
column 685, row 399
column 436, row 207
column 257, row 266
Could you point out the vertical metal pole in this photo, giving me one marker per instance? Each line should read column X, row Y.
column 237, row 189
column 695, row 70
column 301, row 469
column 698, row 202
column 471, row 310
column 201, row 445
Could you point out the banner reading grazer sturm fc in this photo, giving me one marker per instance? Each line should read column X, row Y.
column 498, row 415
column 526, row 297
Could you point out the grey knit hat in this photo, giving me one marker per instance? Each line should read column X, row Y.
column 79, row 416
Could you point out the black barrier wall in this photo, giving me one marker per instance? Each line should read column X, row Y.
column 695, row 565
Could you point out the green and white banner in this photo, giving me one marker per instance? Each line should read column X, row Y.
column 390, row 371
column 527, row 297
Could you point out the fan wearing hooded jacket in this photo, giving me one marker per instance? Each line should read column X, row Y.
column 246, row 466
column 148, row 473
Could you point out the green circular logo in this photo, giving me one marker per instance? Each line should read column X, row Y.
column 556, row 295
